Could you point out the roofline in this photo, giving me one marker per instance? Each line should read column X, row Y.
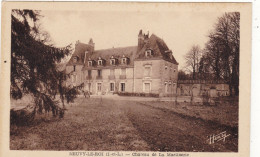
column 114, row 48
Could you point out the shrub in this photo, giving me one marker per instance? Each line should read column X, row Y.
column 138, row 94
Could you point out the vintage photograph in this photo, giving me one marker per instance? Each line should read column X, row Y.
column 150, row 80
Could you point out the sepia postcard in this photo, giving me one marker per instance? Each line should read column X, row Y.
column 125, row 79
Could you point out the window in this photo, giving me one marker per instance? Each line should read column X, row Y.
column 75, row 59
column 112, row 72
column 166, row 87
column 89, row 86
column 147, row 71
column 74, row 78
column 148, row 53
column 74, row 67
column 99, row 73
column 122, row 87
column 89, row 63
column 112, row 87
column 89, row 73
column 112, row 61
column 99, row 62
column 169, row 87
column 123, row 71
column 123, row 60
column 99, row 87
column 174, row 70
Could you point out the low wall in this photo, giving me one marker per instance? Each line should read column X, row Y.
column 201, row 87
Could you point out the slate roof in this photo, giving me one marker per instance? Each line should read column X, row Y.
column 79, row 51
column 159, row 48
column 116, row 52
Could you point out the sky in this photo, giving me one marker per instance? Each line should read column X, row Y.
column 179, row 30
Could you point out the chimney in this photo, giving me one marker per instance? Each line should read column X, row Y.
column 140, row 40
column 92, row 44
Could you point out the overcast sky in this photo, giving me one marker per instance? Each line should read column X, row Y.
column 180, row 30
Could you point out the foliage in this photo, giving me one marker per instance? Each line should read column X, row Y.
column 222, row 50
column 71, row 93
column 183, row 76
column 220, row 57
column 138, row 94
column 192, row 60
column 34, row 63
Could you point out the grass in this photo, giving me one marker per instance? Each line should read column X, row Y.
column 224, row 113
column 119, row 125
column 88, row 126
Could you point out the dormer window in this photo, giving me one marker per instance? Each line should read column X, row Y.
column 75, row 59
column 90, row 63
column 100, row 61
column 148, row 53
column 124, row 60
column 169, row 53
column 112, row 61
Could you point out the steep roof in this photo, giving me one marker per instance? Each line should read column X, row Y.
column 159, row 47
column 80, row 49
column 116, row 52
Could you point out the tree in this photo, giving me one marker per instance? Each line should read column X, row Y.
column 182, row 75
column 34, row 63
column 192, row 60
column 222, row 49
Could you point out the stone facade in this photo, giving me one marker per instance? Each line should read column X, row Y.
column 149, row 67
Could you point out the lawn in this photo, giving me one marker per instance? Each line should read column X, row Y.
column 129, row 125
column 87, row 125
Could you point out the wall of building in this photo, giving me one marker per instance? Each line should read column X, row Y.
column 169, row 77
column 107, row 78
column 76, row 76
column 161, row 72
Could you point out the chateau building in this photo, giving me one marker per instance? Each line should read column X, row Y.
column 149, row 67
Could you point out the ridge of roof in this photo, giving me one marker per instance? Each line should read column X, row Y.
column 115, row 48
